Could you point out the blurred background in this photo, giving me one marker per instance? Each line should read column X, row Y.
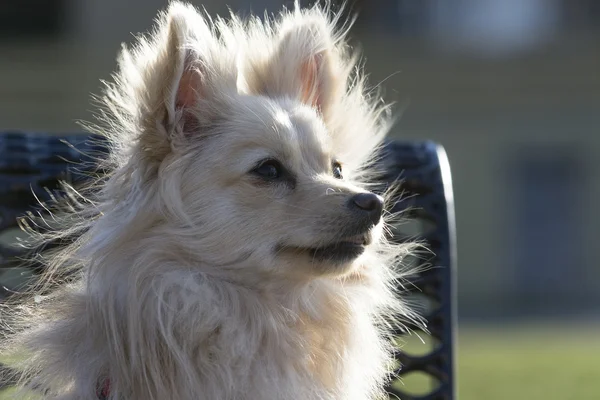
column 511, row 88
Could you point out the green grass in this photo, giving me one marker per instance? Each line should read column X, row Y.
column 541, row 362
column 535, row 362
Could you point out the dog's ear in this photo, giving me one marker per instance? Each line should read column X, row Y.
column 165, row 77
column 182, row 76
column 305, row 63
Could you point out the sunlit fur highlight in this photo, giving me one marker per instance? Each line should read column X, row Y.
column 170, row 289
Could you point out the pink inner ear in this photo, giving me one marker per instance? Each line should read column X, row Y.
column 189, row 88
column 312, row 85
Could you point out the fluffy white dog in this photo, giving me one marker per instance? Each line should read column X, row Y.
column 232, row 251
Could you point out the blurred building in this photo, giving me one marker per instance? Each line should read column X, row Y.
column 511, row 88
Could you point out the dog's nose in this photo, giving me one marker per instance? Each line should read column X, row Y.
column 369, row 203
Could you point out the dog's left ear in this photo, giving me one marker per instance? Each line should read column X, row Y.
column 305, row 63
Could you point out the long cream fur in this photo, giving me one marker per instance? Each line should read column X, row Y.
column 174, row 287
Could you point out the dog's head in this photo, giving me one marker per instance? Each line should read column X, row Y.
column 250, row 141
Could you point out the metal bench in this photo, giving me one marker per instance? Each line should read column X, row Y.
column 31, row 165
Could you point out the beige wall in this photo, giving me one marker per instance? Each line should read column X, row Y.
column 484, row 110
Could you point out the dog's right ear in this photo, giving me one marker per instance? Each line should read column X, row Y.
column 165, row 77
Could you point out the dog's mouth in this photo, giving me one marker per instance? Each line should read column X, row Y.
column 340, row 251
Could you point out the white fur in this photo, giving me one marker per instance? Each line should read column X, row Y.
column 179, row 292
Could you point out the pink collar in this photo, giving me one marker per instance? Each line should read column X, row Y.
column 103, row 390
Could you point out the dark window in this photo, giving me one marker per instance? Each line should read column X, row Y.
column 31, row 18
column 402, row 17
column 548, row 190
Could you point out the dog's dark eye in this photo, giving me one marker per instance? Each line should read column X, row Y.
column 269, row 169
column 337, row 170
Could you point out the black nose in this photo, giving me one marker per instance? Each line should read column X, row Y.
column 370, row 203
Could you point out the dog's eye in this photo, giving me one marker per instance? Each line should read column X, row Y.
column 269, row 169
column 337, row 170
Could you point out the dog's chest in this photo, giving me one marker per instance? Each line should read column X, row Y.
column 333, row 350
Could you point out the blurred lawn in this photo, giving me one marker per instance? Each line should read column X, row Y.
column 532, row 362
column 542, row 362
column 545, row 362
